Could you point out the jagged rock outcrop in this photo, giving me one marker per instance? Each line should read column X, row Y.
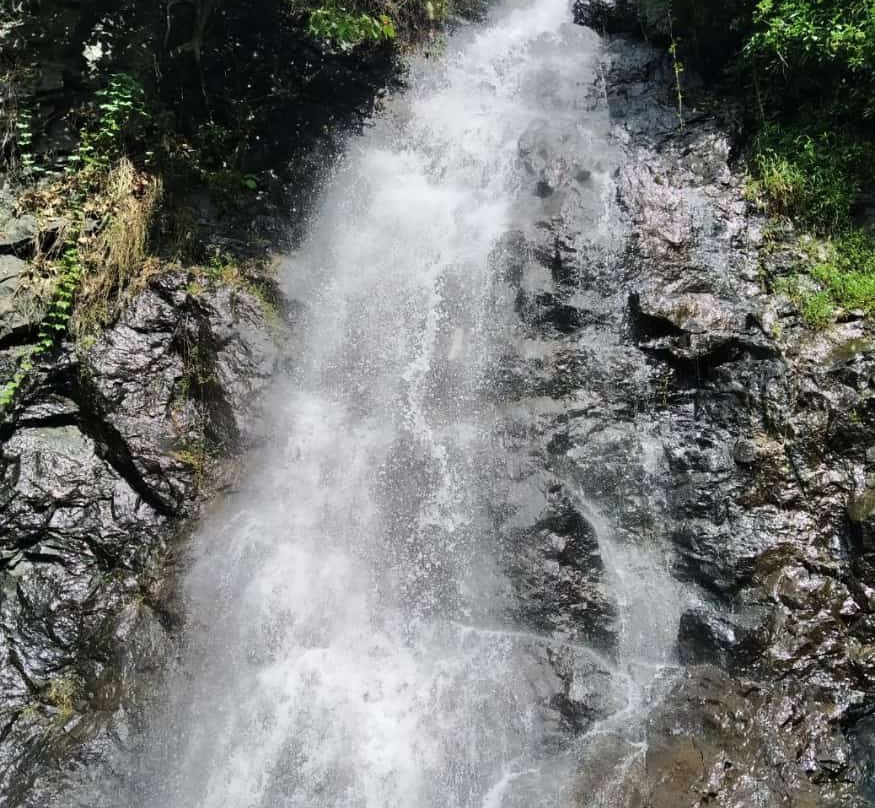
column 102, row 459
column 766, row 428
column 711, row 420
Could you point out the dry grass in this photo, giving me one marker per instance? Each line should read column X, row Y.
column 115, row 257
column 120, row 205
column 62, row 693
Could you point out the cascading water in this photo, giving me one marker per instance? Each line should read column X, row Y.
column 352, row 637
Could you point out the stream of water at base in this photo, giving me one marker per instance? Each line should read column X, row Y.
column 348, row 641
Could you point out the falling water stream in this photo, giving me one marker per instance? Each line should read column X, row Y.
column 351, row 640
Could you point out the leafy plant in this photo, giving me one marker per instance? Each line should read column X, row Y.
column 121, row 117
column 121, row 111
column 53, row 325
column 345, row 29
column 809, row 171
column 817, row 49
column 678, row 68
column 24, row 143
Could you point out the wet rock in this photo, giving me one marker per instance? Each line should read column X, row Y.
column 861, row 511
column 744, row 452
column 721, row 742
column 610, row 16
column 555, row 156
column 17, row 310
column 707, row 637
column 863, row 744
column 71, row 529
column 698, row 328
column 589, row 693
column 97, row 467
column 763, row 429
column 509, row 257
column 557, row 571
column 195, row 361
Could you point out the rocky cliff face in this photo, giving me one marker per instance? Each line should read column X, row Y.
column 675, row 391
column 765, row 429
column 115, row 441
column 101, row 464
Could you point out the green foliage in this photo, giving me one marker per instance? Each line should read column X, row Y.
column 54, row 323
column 839, row 274
column 195, row 455
column 845, row 268
column 811, row 172
column 811, row 65
column 818, row 48
column 24, row 143
column 120, row 121
column 678, row 68
column 120, row 118
column 345, row 29
column 11, row 388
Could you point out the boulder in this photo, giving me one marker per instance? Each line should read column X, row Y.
column 704, row 636
column 558, row 575
column 101, row 460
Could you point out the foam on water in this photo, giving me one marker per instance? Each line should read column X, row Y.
column 342, row 649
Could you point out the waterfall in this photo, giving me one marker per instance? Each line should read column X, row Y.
column 352, row 638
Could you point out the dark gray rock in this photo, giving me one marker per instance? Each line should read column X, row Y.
column 559, row 576
column 609, row 16
column 704, row 636
column 722, row 742
column 103, row 457
column 766, row 428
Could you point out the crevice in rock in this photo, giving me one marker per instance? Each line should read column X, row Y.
column 46, row 422
column 110, row 446
column 646, row 327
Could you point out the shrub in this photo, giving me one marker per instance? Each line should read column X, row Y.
column 345, row 29
column 817, row 50
column 809, row 171
column 121, row 118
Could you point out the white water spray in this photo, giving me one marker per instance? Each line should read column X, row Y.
column 343, row 640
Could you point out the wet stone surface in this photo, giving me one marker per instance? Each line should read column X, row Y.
column 99, row 466
column 764, row 430
column 654, row 402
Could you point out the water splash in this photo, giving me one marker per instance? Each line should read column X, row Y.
column 349, row 641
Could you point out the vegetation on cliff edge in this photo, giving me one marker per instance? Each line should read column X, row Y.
column 143, row 134
column 806, row 69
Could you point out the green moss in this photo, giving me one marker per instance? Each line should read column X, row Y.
column 845, row 267
column 839, row 273
column 817, row 309
column 196, row 454
column 861, row 507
